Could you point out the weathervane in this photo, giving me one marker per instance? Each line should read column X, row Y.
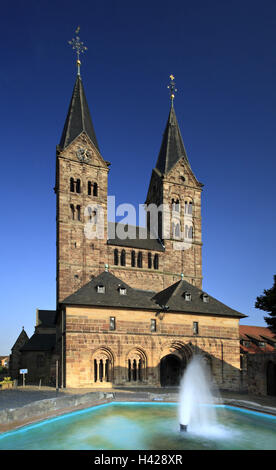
column 172, row 88
column 78, row 46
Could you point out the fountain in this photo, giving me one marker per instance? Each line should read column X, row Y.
column 196, row 411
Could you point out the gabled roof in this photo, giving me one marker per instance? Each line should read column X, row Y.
column 142, row 238
column 174, row 298
column 40, row 342
column 46, row 318
column 22, row 338
column 172, row 147
column 78, row 118
column 89, row 296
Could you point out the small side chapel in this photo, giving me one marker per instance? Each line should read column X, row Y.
column 129, row 312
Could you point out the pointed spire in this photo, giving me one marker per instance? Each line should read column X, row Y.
column 172, row 147
column 78, row 117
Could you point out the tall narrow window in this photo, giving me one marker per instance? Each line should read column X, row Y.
column 72, row 185
column 149, row 261
column 140, row 260
column 116, row 257
column 112, row 324
column 90, row 213
column 78, row 186
column 190, row 209
column 72, row 211
column 153, row 325
column 89, row 188
column 156, row 261
column 123, row 258
column 133, row 259
column 195, row 328
column 95, row 189
column 79, row 212
column 177, row 231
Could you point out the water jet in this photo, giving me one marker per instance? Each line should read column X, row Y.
column 196, row 397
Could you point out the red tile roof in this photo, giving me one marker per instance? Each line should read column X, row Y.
column 256, row 334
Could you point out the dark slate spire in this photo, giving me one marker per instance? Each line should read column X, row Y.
column 172, row 147
column 78, row 118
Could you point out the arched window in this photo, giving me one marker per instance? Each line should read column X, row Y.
column 78, row 186
column 149, row 261
column 95, row 189
column 133, row 259
column 189, row 232
column 102, row 369
column 116, row 257
column 72, row 185
column 123, row 258
column 156, row 261
column 140, row 259
column 188, row 207
column 72, row 211
column 79, row 212
column 173, row 205
column 89, row 188
column 137, row 366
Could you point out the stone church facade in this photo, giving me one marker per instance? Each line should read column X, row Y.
column 130, row 310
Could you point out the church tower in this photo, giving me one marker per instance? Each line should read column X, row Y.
column 81, row 196
column 177, row 193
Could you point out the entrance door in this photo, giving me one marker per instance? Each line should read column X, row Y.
column 170, row 370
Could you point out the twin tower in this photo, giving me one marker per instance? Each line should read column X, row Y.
column 151, row 258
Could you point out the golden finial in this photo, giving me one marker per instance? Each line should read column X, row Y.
column 172, row 88
column 78, row 46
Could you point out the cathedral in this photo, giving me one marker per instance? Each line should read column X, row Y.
column 130, row 307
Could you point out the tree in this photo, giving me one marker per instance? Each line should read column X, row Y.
column 267, row 302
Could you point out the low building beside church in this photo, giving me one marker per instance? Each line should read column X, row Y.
column 114, row 334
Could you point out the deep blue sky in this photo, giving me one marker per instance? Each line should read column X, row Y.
column 222, row 54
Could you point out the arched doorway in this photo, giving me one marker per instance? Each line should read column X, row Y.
column 170, row 370
column 271, row 378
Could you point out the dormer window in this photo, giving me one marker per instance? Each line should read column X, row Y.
column 188, row 296
column 101, row 289
column 122, row 290
column 205, row 298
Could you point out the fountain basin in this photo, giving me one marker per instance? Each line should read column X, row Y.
column 137, row 425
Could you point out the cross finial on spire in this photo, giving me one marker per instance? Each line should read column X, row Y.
column 78, row 46
column 172, row 88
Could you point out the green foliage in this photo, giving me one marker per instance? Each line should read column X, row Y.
column 6, row 380
column 267, row 302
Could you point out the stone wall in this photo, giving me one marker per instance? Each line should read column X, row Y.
column 261, row 374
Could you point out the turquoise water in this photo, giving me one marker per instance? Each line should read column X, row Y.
column 143, row 426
